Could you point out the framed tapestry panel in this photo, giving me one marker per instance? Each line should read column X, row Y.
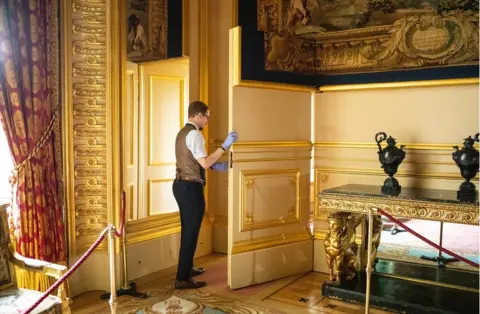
column 335, row 42
column 154, row 29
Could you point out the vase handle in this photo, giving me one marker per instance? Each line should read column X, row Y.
column 380, row 137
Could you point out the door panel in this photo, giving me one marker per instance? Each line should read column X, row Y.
column 164, row 96
column 130, row 144
column 269, row 186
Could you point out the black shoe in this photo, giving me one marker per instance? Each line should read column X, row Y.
column 197, row 271
column 189, row 284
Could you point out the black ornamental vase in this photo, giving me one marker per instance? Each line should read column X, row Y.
column 467, row 160
column 390, row 157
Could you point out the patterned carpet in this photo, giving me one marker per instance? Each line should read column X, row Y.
column 170, row 301
column 460, row 239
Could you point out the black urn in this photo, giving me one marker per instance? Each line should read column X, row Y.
column 467, row 160
column 390, row 157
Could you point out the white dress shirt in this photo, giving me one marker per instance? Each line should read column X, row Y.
column 196, row 143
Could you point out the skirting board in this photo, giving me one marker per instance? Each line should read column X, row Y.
column 148, row 257
column 260, row 266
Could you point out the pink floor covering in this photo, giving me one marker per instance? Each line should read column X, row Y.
column 216, row 278
column 457, row 238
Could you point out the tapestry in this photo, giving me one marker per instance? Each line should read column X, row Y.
column 367, row 36
column 147, row 30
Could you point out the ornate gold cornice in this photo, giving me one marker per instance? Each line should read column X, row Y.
column 269, row 241
column 401, row 208
column 396, row 85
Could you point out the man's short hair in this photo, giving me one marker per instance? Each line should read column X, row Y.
column 197, row 107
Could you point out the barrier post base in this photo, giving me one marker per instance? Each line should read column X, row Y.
column 440, row 260
column 130, row 291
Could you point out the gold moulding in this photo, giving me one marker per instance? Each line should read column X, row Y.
column 269, row 241
column 396, row 85
column 376, row 172
column 467, row 214
column 265, row 144
column 366, row 145
column 154, row 227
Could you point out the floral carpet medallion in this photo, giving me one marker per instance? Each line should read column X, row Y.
column 170, row 301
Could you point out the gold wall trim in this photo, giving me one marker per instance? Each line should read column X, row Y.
column 408, row 146
column 90, row 51
column 265, row 144
column 271, row 159
column 203, row 79
column 375, row 172
column 67, row 123
column 275, row 86
column 219, row 219
column 236, row 33
column 184, row 59
column 154, row 227
column 273, row 144
column 247, row 215
column 360, row 159
column 150, row 182
column 396, row 85
column 269, row 241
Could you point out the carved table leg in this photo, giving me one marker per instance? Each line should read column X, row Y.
column 376, row 234
column 340, row 247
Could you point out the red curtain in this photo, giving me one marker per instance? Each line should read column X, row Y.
column 29, row 112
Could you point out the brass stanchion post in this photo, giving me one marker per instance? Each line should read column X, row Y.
column 111, row 253
column 127, row 288
column 369, row 260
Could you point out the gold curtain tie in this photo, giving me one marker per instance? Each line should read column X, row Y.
column 46, row 134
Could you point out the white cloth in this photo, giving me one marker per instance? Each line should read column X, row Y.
column 196, row 143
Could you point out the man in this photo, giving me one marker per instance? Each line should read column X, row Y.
column 192, row 161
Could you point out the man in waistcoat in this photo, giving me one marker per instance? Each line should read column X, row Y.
column 192, row 161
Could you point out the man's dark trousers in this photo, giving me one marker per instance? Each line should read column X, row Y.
column 191, row 202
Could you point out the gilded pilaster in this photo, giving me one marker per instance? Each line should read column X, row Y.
column 89, row 119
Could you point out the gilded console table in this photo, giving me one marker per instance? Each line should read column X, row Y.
column 349, row 206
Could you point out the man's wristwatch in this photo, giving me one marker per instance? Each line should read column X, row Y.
column 222, row 148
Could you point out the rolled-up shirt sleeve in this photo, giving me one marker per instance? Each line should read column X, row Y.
column 196, row 144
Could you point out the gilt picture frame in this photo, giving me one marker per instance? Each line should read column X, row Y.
column 153, row 27
column 337, row 42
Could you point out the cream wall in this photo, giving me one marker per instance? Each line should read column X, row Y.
column 219, row 23
column 427, row 120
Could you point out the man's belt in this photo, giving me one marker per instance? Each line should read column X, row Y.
column 186, row 178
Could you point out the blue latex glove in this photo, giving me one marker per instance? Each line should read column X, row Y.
column 231, row 138
column 220, row 166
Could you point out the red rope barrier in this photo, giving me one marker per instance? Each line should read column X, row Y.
column 69, row 272
column 83, row 258
column 122, row 218
column 444, row 250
